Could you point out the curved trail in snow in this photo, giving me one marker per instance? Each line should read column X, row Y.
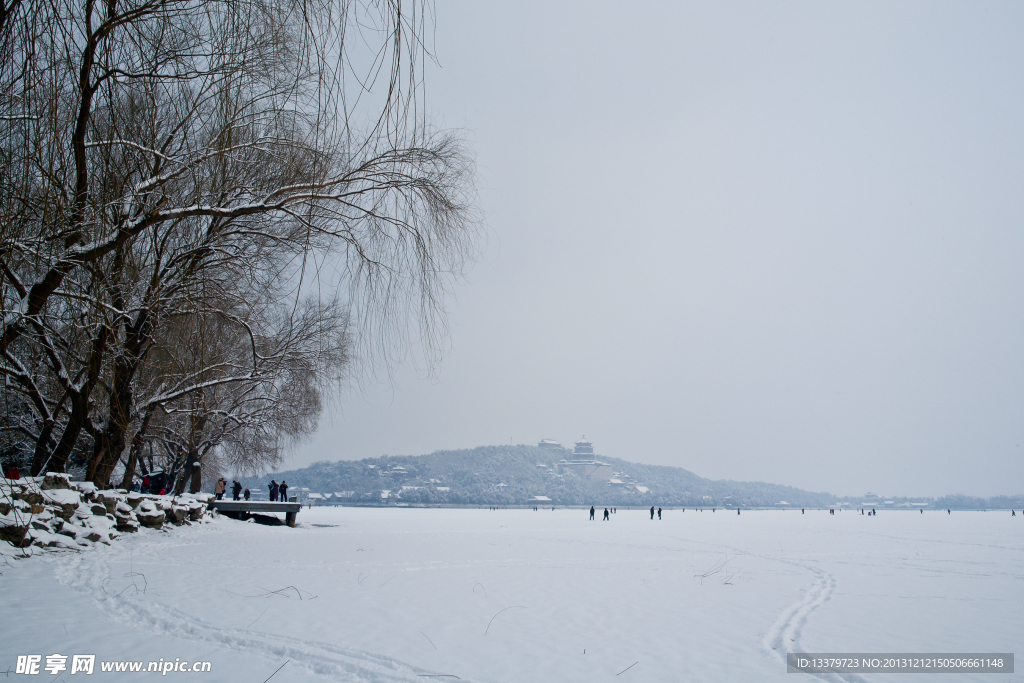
column 784, row 635
column 90, row 573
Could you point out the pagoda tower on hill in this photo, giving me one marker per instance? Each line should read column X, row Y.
column 584, row 447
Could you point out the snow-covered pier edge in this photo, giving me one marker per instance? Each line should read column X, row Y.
column 52, row 511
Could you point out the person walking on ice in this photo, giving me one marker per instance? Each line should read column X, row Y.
column 652, row 512
column 659, row 514
column 606, row 514
column 591, row 513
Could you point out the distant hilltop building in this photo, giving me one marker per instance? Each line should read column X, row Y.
column 549, row 443
column 584, row 447
column 584, row 464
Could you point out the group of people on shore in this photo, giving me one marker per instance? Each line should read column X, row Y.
column 220, row 488
column 275, row 491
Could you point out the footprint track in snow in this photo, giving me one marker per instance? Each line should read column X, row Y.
column 784, row 635
column 87, row 573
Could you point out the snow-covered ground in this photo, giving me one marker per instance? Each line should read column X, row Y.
column 517, row 595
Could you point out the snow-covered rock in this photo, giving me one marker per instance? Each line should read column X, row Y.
column 63, row 502
column 86, row 488
column 13, row 527
column 110, row 498
column 150, row 515
column 47, row 539
column 28, row 492
column 195, row 511
column 124, row 516
column 178, row 514
column 101, row 530
column 55, row 480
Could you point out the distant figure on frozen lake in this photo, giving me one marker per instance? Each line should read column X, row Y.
column 1013, row 513
column 948, row 512
column 219, row 487
column 737, row 512
column 236, row 489
column 652, row 512
column 606, row 514
column 273, row 490
column 283, row 489
column 801, row 511
column 873, row 511
column 591, row 513
column 922, row 512
column 247, row 494
column 659, row 514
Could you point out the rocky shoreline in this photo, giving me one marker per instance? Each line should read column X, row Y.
column 54, row 512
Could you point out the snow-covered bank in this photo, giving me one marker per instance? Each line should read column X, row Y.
column 53, row 512
column 515, row 595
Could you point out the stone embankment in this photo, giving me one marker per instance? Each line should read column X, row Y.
column 54, row 512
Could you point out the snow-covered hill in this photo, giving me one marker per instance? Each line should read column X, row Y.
column 515, row 475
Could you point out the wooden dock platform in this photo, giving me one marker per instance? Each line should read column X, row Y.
column 242, row 508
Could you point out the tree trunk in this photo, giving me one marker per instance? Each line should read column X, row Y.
column 59, row 458
column 79, row 407
column 193, row 471
column 41, row 457
column 136, row 450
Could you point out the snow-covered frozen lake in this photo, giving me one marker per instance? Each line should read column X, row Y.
column 516, row 595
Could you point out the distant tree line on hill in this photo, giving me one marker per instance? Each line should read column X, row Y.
column 515, row 475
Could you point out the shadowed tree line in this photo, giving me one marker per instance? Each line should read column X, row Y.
column 207, row 211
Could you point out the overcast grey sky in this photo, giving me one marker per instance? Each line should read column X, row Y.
column 774, row 241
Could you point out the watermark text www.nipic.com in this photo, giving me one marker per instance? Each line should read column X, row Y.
column 86, row 664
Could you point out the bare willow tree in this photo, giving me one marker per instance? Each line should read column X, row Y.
column 252, row 179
